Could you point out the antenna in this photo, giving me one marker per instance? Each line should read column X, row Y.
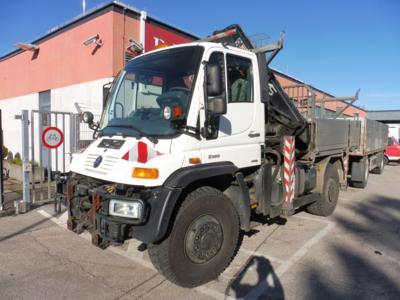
column 84, row 6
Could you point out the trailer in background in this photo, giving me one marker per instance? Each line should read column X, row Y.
column 369, row 156
column 363, row 141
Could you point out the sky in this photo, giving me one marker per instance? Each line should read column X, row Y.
column 337, row 45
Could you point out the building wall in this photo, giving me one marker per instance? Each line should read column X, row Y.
column 62, row 60
column 157, row 36
column 88, row 96
column 12, row 127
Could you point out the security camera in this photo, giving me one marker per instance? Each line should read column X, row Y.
column 136, row 45
column 93, row 39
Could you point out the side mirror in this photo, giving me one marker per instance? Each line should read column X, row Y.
column 87, row 117
column 217, row 106
column 214, row 81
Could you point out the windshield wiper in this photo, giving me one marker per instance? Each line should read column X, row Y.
column 152, row 139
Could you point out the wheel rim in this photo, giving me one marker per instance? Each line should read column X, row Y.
column 332, row 191
column 203, row 239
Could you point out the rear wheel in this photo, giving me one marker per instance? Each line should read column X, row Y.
column 385, row 160
column 329, row 198
column 381, row 165
column 362, row 184
column 202, row 242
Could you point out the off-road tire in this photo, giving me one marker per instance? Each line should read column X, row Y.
column 171, row 257
column 329, row 198
column 362, row 184
column 379, row 169
column 385, row 160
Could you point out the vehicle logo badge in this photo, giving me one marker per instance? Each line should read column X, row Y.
column 97, row 161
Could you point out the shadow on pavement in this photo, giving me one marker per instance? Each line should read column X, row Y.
column 265, row 276
column 25, row 229
column 366, row 273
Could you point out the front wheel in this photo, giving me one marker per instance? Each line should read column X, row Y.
column 202, row 242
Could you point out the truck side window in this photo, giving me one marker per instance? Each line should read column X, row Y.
column 217, row 58
column 240, row 79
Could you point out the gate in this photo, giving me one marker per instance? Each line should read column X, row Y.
column 40, row 164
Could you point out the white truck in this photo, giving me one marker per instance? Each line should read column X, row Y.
column 193, row 138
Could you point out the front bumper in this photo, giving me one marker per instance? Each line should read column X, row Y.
column 150, row 229
column 394, row 158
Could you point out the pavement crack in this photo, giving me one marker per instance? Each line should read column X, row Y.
column 152, row 288
column 136, row 286
column 64, row 261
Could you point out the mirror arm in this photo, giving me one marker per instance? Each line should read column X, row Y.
column 207, row 115
column 95, row 127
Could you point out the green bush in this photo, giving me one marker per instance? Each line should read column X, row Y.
column 4, row 151
column 17, row 162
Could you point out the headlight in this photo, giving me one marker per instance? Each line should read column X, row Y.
column 126, row 209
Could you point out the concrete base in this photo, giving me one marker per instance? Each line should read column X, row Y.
column 21, row 207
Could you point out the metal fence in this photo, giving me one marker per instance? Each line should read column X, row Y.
column 39, row 163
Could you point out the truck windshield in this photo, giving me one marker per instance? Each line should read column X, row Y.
column 148, row 84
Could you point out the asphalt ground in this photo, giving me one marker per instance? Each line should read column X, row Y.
column 353, row 254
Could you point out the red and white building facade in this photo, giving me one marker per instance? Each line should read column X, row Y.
column 64, row 73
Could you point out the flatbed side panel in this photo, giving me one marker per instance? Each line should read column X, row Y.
column 376, row 134
column 331, row 135
column 354, row 135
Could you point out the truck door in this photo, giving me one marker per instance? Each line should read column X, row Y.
column 238, row 139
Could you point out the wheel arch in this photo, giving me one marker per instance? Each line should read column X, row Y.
column 337, row 162
column 226, row 177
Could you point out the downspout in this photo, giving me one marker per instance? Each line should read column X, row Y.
column 142, row 39
column 123, row 38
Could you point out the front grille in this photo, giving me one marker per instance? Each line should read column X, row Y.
column 105, row 167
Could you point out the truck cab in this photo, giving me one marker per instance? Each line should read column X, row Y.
column 157, row 113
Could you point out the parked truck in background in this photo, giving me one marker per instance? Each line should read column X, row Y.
column 393, row 144
column 394, row 132
column 193, row 138
column 392, row 150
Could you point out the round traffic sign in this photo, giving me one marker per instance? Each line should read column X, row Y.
column 52, row 137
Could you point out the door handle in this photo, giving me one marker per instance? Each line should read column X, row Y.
column 254, row 134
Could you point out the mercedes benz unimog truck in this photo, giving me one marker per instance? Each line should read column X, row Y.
column 195, row 138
